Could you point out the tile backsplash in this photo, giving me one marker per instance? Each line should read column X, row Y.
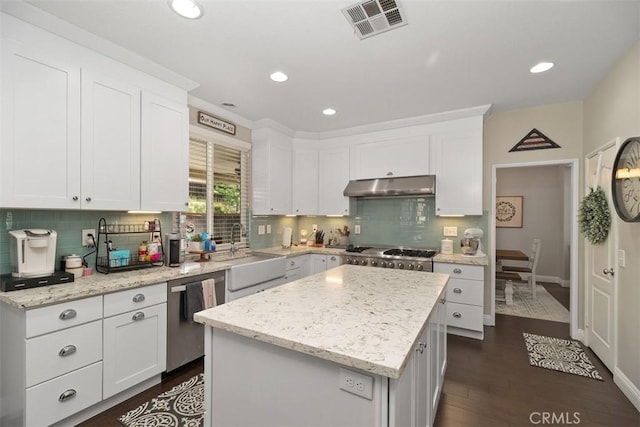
column 409, row 222
column 68, row 224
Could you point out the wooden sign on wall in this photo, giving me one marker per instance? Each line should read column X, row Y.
column 216, row 123
column 534, row 140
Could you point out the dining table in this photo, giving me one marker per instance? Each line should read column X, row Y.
column 513, row 255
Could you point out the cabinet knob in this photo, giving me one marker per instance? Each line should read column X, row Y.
column 68, row 314
column 186, row 203
column 71, row 393
column 292, row 263
column 421, row 347
column 88, row 199
column 443, row 301
column 138, row 298
column 457, row 270
column 67, row 350
column 75, row 198
column 333, row 258
column 389, row 173
column 457, row 315
column 138, row 316
column 457, row 290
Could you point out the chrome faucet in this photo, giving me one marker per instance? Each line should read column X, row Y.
column 233, row 249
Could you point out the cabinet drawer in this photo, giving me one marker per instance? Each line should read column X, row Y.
column 134, row 299
column 465, row 291
column 55, row 317
column 460, row 271
column 44, row 402
column 464, row 316
column 292, row 274
column 296, row 262
column 57, row 353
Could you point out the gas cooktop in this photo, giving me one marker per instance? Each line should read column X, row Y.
column 396, row 252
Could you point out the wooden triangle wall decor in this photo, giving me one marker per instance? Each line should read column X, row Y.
column 534, row 140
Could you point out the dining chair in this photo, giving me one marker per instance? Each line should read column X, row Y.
column 530, row 269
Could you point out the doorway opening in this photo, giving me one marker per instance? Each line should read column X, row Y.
column 561, row 245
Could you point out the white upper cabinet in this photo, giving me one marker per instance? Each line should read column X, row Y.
column 164, row 155
column 110, row 149
column 332, row 179
column 457, row 163
column 40, row 129
column 408, row 156
column 271, row 178
column 305, row 181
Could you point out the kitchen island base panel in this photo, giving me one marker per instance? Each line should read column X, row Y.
column 252, row 383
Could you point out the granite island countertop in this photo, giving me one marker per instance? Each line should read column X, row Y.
column 356, row 316
column 100, row 284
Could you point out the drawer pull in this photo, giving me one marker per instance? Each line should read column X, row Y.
column 138, row 298
column 69, row 394
column 68, row 314
column 457, row 290
column 457, row 270
column 138, row 316
column 67, row 350
column 443, row 301
column 457, row 315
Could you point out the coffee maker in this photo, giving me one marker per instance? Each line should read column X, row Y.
column 471, row 244
column 174, row 249
column 32, row 252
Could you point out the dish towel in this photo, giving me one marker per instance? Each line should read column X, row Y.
column 209, row 293
column 192, row 300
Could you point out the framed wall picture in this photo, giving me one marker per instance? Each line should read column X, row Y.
column 509, row 211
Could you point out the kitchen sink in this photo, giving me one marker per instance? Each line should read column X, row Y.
column 253, row 269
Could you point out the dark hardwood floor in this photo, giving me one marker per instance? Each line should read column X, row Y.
column 489, row 383
column 560, row 293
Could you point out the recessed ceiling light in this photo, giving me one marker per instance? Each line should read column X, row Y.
column 541, row 67
column 279, row 77
column 328, row 111
column 186, row 8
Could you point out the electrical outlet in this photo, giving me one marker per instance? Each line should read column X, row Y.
column 261, row 230
column 621, row 258
column 357, row 229
column 86, row 240
column 314, row 227
column 356, row 383
column 268, row 228
column 450, row 231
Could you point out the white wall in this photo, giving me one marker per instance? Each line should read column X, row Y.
column 542, row 188
column 612, row 110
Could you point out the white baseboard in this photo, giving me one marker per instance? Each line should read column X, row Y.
column 628, row 388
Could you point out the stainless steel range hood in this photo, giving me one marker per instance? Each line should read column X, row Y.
column 410, row 186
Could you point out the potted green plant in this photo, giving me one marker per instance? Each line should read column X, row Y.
column 196, row 243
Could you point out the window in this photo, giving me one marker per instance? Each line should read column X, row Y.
column 218, row 190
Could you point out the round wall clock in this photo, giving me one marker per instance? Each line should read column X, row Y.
column 625, row 182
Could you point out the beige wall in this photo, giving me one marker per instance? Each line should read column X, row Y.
column 612, row 110
column 562, row 123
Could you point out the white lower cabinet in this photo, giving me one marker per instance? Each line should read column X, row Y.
column 465, row 298
column 135, row 341
column 321, row 263
column 61, row 359
column 297, row 268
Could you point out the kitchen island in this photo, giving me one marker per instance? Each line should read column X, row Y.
column 349, row 346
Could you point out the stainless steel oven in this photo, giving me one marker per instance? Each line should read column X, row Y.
column 185, row 338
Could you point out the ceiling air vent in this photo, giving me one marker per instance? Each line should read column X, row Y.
column 371, row 17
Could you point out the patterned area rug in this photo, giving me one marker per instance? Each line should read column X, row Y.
column 543, row 306
column 182, row 406
column 559, row 355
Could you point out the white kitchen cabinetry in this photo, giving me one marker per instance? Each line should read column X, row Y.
column 305, row 181
column 110, row 149
column 415, row 395
column 135, row 337
column 297, row 267
column 164, row 154
column 40, row 129
column 271, row 172
column 333, row 177
column 51, row 361
column 385, row 159
column 465, row 298
column 457, row 163
column 321, row 262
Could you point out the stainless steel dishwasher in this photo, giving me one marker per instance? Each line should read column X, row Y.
column 185, row 338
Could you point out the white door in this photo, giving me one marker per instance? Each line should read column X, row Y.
column 601, row 279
